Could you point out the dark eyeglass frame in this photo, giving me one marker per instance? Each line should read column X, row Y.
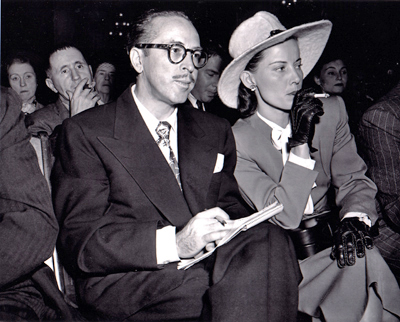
column 170, row 46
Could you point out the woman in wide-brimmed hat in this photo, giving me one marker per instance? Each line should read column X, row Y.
column 295, row 148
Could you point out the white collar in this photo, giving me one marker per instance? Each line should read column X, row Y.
column 150, row 120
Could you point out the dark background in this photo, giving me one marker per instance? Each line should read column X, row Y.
column 366, row 32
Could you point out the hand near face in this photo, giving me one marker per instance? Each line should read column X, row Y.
column 203, row 231
column 82, row 98
column 304, row 114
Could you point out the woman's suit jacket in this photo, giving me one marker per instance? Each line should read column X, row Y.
column 113, row 188
column 262, row 177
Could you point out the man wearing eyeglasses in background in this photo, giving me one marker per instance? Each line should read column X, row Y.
column 140, row 185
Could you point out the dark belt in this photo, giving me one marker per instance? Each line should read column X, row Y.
column 310, row 240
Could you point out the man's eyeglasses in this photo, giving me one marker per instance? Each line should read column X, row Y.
column 177, row 53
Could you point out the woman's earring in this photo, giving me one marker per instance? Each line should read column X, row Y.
column 253, row 88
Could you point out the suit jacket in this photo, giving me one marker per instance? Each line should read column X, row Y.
column 263, row 178
column 47, row 118
column 379, row 145
column 216, row 107
column 113, row 188
column 28, row 226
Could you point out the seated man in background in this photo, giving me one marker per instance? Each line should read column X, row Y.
column 28, row 227
column 104, row 78
column 204, row 94
column 379, row 145
column 69, row 75
column 139, row 184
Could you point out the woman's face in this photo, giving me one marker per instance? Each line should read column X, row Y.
column 278, row 76
column 22, row 79
column 333, row 77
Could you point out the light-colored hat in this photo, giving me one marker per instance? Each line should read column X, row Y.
column 264, row 30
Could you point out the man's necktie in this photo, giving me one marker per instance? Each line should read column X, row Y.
column 163, row 129
column 200, row 105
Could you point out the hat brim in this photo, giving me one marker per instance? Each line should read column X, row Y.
column 312, row 38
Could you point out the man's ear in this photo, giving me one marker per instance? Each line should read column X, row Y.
column 317, row 80
column 247, row 79
column 135, row 56
column 50, row 85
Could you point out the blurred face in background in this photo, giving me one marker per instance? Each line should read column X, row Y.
column 207, row 80
column 22, row 79
column 104, row 78
column 333, row 77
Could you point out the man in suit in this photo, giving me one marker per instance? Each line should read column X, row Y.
column 129, row 211
column 28, row 226
column 379, row 135
column 69, row 75
column 204, row 93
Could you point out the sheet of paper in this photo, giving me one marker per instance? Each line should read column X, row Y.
column 240, row 225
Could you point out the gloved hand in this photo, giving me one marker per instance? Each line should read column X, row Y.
column 304, row 114
column 350, row 239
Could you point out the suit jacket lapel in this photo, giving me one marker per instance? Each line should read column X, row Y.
column 135, row 148
column 197, row 159
column 273, row 157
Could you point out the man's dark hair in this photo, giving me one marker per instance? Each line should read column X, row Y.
column 213, row 48
column 141, row 31
column 56, row 49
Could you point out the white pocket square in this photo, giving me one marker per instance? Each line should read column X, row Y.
column 220, row 163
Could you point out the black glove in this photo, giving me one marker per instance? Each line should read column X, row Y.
column 350, row 238
column 304, row 114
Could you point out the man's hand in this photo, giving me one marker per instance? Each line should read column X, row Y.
column 82, row 98
column 202, row 231
column 304, row 114
column 350, row 239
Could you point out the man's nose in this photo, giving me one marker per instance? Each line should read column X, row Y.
column 75, row 75
column 215, row 82
column 187, row 63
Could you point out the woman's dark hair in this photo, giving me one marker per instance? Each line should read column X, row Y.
column 18, row 58
column 247, row 100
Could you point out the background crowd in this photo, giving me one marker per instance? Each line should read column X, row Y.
column 359, row 65
column 365, row 33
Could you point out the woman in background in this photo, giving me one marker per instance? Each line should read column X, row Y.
column 331, row 75
column 22, row 79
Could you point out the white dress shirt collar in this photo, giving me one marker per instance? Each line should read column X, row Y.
column 152, row 122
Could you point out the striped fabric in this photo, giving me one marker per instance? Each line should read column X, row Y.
column 379, row 144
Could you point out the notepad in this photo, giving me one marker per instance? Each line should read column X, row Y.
column 240, row 225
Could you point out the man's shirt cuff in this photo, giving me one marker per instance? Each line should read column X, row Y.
column 166, row 251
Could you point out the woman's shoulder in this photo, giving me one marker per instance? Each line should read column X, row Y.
column 244, row 125
column 334, row 107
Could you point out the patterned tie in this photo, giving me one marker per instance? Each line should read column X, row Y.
column 162, row 130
